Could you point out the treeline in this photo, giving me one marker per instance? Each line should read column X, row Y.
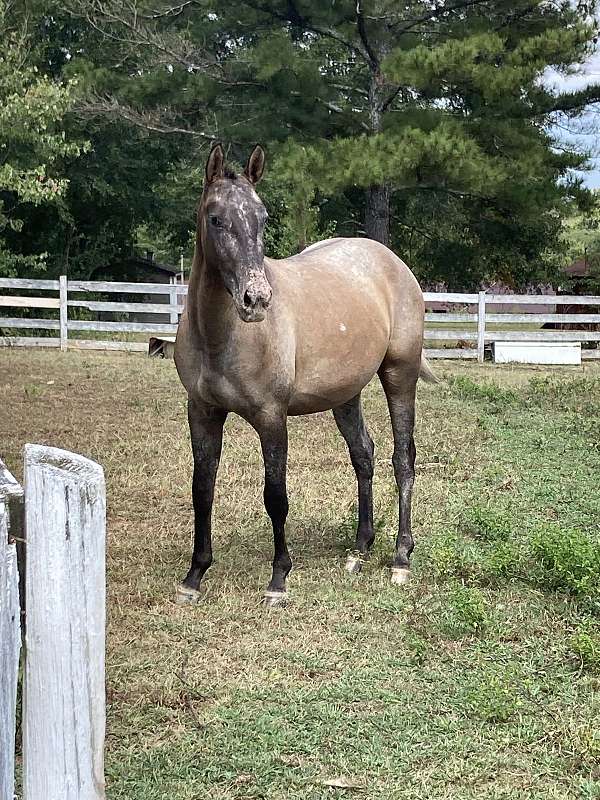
column 423, row 124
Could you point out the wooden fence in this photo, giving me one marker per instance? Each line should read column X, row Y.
column 457, row 325
column 71, row 297
column 487, row 324
column 63, row 567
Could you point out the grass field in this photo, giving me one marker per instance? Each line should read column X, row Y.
column 481, row 679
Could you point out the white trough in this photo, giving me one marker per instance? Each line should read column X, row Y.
column 537, row 352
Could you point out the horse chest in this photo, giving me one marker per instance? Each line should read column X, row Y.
column 232, row 388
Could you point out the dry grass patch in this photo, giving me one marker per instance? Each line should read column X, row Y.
column 465, row 685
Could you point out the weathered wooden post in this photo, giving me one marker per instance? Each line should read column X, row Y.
column 64, row 696
column 10, row 645
column 63, row 311
column 11, row 492
column 173, row 304
column 481, row 328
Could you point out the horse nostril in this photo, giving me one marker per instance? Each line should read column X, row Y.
column 248, row 299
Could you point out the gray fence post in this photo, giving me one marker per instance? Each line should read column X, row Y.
column 64, row 697
column 174, row 303
column 63, row 310
column 10, row 646
column 481, row 328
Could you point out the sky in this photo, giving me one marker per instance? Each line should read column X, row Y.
column 585, row 132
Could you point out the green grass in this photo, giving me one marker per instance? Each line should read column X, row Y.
column 481, row 679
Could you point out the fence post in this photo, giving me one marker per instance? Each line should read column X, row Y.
column 62, row 291
column 173, row 301
column 10, row 645
column 63, row 697
column 12, row 493
column 481, row 328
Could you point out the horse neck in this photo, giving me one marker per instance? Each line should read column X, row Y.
column 209, row 305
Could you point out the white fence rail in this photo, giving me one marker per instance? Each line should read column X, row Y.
column 457, row 325
column 489, row 324
column 73, row 297
column 63, row 712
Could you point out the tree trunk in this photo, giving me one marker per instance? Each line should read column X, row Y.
column 377, row 213
column 377, row 205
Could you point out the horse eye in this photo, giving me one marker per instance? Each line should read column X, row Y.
column 216, row 221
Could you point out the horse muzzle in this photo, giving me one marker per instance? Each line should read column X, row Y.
column 255, row 300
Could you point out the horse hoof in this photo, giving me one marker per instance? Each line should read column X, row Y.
column 353, row 565
column 400, row 575
column 275, row 599
column 185, row 595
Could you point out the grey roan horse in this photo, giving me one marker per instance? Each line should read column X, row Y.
column 267, row 339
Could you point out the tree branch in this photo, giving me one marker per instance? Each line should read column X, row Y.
column 174, row 11
column 155, row 120
column 295, row 18
column 362, row 32
column 437, row 12
column 387, row 103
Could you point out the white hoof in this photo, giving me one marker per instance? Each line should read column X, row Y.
column 354, row 564
column 274, row 599
column 400, row 576
column 184, row 595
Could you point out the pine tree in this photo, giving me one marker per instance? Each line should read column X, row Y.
column 430, row 111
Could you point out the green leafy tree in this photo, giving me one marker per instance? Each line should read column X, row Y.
column 110, row 187
column 33, row 143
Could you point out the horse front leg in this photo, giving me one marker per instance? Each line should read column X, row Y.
column 274, row 444
column 206, row 430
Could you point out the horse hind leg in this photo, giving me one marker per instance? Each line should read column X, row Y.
column 351, row 425
column 399, row 383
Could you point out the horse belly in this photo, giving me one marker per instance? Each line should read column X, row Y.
column 335, row 365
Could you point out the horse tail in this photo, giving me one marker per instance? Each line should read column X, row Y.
column 426, row 373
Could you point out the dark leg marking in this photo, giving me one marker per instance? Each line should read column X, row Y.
column 206, row 429
column 351, row 425
column 400, row 388
column 274, row 444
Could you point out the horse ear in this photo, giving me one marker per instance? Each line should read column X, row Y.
column 256, row 164
column 214, row 165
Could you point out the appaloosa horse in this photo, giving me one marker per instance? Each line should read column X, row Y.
column 267, row 339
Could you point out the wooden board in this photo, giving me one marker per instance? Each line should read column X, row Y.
column 131, row 308
column 63, row 695
column 98, row 344
column 10, row 648
column 450, row 297
column 27, row 283
column 124, row 288
column 540, row 299
column 29, row 302
column 440, row 333
column 11, row 493
column 41, row 324
column 450, row 352
column 541, row 318
column 74, row 344
column 29, row 341
column 542, row 336
column 442, row 317
column 129, row 327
